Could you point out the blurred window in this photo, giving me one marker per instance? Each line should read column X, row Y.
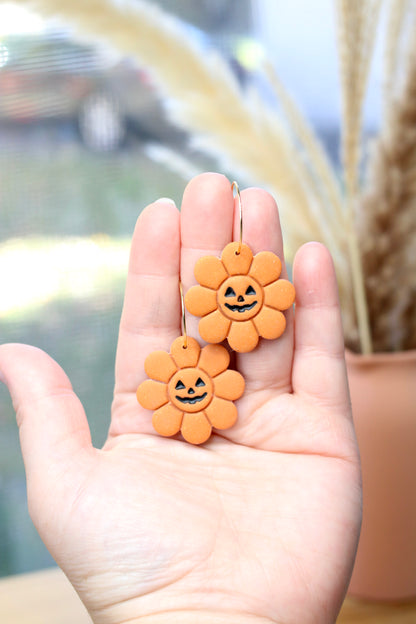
column 77, row 122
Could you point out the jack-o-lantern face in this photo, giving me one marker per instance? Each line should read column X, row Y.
column 240, row 297
column 190, row 390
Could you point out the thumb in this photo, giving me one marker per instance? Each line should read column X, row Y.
column 52, row 424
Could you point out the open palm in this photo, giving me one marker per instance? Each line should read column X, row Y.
column 260, row 524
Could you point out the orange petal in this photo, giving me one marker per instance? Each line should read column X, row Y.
column 214, row 327
column 266, row 267
column 214, row 359
column 243, row 336
column 200, row 301
column 280, row 294
column 222, row 414
column 270, row 323
column 196, row 428
column 160, row 366
column 209, row 271
column 185, row 356
column 237, row 263
column 229, row 385
column 167, row 420
column 152, row 394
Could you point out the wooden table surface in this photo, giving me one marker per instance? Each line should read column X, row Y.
column 46, row 597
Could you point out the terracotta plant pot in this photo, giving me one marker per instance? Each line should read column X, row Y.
column 383, row 395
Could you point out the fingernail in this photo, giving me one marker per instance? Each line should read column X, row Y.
column 165, row 200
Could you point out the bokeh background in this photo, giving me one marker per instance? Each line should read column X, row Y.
column 85, row 145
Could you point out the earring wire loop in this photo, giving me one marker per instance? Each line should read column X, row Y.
column 234, row 187
column 185, row 335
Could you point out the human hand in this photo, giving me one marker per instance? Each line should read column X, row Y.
column 261, row 523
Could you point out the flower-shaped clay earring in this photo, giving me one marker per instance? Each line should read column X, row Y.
column 191, row 390
column 240, row 297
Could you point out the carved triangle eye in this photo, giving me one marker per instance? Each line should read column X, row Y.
column 180, row 385
column 250, row 291
column 230, row 292
column 199, row 382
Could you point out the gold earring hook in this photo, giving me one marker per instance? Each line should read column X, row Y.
column 234, row 187
column 185, row 335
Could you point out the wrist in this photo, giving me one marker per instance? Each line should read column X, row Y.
column 199, row 617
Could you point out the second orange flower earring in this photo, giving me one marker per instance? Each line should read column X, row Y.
column 190, row 389
column 240, row 297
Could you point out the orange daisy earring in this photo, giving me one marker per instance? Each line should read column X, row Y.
column 191, row 389
column 240, row 297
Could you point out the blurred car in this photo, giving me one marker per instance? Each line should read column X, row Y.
column 51, row 76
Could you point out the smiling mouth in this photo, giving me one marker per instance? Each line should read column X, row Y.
column 192, row 400
column 241, row 308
